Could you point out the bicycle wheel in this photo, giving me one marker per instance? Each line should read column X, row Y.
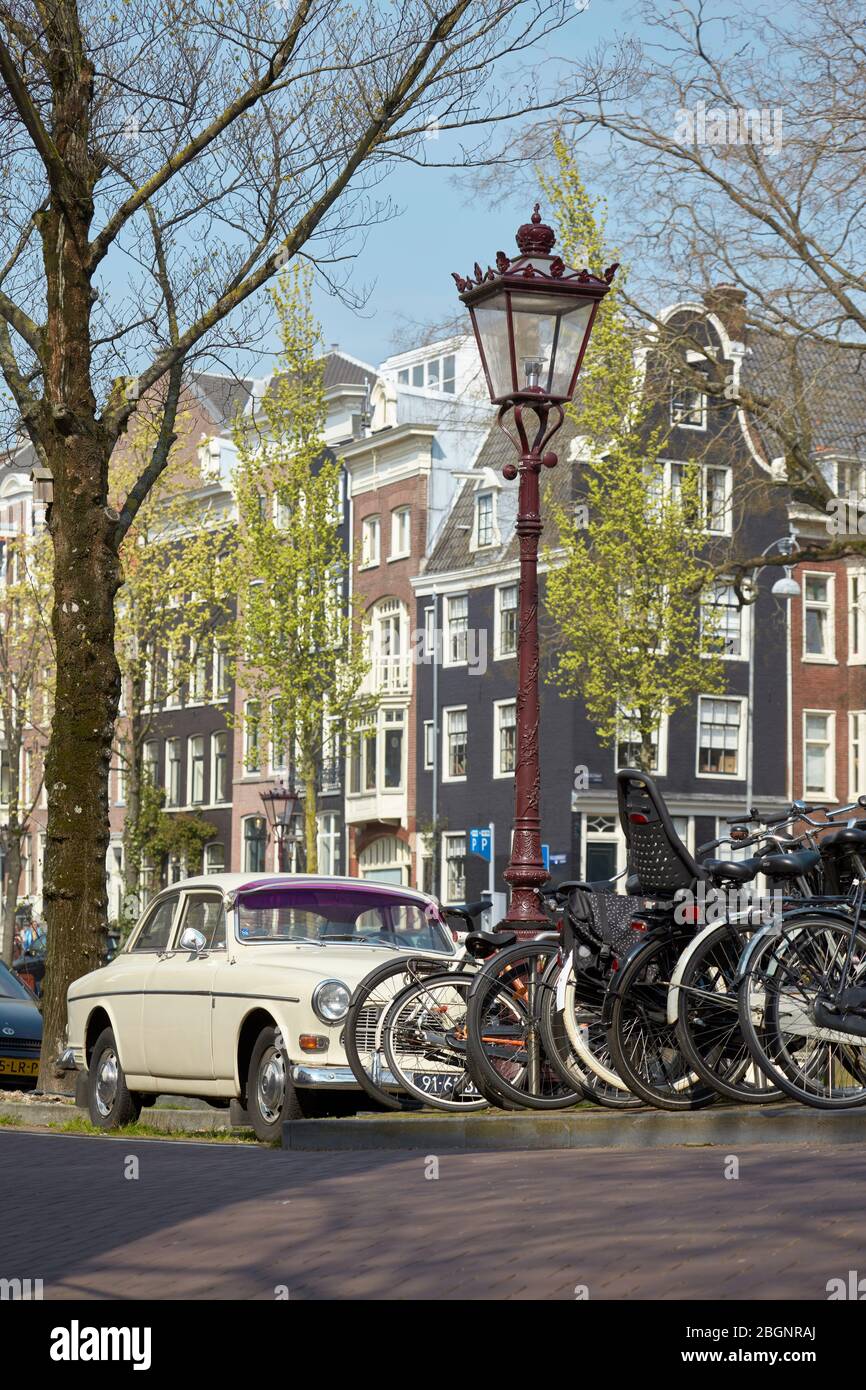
column 506, row 1052
column 572, row 1069
column 708, row 1020
column 424, row 1035
column 643, row 1044
column 793, row 970
column 587, row 1036
column 362, row 1032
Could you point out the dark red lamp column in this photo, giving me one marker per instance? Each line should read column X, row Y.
column 532, row 317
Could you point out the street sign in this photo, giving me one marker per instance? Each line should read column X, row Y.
column 558, row 858
column 481, row 842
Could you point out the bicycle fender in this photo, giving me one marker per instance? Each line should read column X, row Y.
column 682, row 962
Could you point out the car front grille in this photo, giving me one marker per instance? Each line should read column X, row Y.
column 11, row 1047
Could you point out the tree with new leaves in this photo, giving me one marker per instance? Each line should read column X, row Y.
column 161, row 162
column 26, row 695
column 634, row 640
column 298, row 655
column 175, row 606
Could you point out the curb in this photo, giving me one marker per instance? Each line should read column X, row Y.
column 652, row 1129
column 183, row 1120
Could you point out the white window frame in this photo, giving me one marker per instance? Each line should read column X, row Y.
column 702, row 395
column 428, row 745
column 740, row 774
column 204, row 860
column 448, row 660
column 214, row 780
column 498, row 653
column 661, row 768
column 828, row 791
column 476, row 543
column 857, row 616
column 371, row 529
column 828, row 659
column 253, row 816
column 447, row 837
column 329, row 841
column 169, row 744
column 401, row 519
column 498, row 707
column 191, row 798
column 856, row 738
column 672, row 463
column 219, row 689
column 745, row 611
column 247, row 743
column 197, row 684
column 446, row 742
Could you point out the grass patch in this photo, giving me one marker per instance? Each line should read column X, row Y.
column 79, row 1125
column 10, row 1120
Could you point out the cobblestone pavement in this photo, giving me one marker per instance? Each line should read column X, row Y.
column 208, row 1221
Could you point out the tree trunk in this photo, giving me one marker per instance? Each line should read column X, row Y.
column 86, row 579
column 10, row 896
column 311, row 825
column 646, row 750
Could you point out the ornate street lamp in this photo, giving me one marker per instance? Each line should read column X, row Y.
column 532, row 318
column 279, row 803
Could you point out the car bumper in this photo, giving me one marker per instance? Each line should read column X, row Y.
column 70, row 1059
column 307, row 1077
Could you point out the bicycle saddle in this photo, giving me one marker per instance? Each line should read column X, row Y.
column 483, row 943
column 731, row 870
column 789, row 865
column 847, row 838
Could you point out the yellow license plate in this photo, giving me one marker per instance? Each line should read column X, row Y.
column 18, row 1066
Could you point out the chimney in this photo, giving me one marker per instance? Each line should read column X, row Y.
column 728, row 302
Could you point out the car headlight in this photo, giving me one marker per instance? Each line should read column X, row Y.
column 331, row 1001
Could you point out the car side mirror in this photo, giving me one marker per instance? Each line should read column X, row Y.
column 193, row 940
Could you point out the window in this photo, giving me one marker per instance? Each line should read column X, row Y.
column 436, row 374
column 429, row 745
column 401, row 538
column 220, row 686
column 196, row 770
column 362, row 762
column 219, row 767
column 150, row 762
column 506, row 620
column 715, row 495
column 388, row 633
column 172, row 679
column 720, row 731
column 818, row 778
column 198, row 673
column 156, row 930
column 856, row 753
column 173, row 765
column 120, row 773
column 722, row 621
column 206, row 913
column 418, row 374
column 504, row 738
column 252, row 736
column 688, row 407
column 330, row 754
column 454, row 852
column 370, row 532
column 279, row 737
column 818, row 639
column 856, row 616
column 255, row 844
column 214, row 858
column 457, row 629
column 485, row 526
column 628, row 747
column 329, row 843
column 449, row 373
column 282, row 514
column 393, row 749
column 455, row 749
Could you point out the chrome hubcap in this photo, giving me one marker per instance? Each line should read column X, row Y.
column 106, row 1082
column 271, row 1085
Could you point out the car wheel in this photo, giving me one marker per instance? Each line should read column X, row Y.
column 110, row 1102
column 271, row 1097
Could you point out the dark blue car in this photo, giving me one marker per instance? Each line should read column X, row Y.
column 20, row 1033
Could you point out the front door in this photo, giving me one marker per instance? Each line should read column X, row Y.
column 130, row 971
column 178, row 1002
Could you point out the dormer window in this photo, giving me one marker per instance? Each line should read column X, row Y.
column 485, row 521
column 436, row 374
column 688, row 408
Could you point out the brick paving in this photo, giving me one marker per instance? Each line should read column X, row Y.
column 208, row 1221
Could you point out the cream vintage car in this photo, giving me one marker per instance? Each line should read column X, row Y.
column 236, row 987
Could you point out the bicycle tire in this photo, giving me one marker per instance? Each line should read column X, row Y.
column 412, row 1028
column 367, row 1064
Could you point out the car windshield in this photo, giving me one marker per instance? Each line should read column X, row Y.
column 10, row 988
column 362, row 915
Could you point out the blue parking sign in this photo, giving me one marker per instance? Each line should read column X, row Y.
column 479, row 842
